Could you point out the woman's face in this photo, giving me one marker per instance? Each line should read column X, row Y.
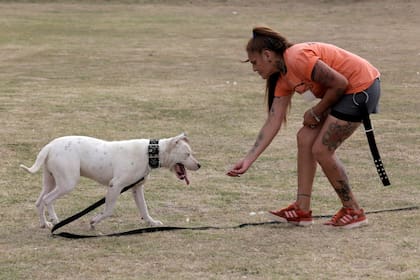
column 263, row 63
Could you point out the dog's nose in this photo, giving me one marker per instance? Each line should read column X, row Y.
column 198, row 165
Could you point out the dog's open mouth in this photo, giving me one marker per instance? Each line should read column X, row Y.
column 181, row 172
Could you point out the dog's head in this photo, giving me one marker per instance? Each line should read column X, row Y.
column 180, row 157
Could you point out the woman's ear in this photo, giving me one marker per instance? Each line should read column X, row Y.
column 267, row 55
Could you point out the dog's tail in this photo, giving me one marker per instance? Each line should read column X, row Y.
column 40, row 159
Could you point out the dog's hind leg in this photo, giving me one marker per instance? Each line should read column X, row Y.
column 138, row 193
column 48, row 184
column 62, row 187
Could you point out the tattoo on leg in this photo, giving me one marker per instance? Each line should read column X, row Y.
column 343, row 190
column 336, row 134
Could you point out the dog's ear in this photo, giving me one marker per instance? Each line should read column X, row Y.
column 182, row 136
column 175, row 140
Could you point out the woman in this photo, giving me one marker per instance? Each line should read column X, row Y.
column 341, row 81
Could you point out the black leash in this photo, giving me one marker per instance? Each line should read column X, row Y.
column 372, row 143
column 154, row 163
column 173, row 228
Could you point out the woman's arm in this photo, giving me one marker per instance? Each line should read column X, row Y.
column 335, row 84
column 265, row 136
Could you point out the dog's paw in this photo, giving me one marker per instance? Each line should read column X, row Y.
column 46, row 225
column 92, row 225
column 154, row 223
column 95, row 220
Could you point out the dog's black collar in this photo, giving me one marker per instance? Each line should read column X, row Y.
column 153, row 150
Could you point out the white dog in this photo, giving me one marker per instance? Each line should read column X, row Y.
column 116, row 164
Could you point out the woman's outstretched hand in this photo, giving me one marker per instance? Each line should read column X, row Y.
column 239, row 168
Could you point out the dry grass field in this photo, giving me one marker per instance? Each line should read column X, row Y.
column 152, row 69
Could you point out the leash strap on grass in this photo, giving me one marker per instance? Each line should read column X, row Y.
column 170, row 228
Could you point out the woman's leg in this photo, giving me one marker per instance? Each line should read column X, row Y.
column 333, row 133
column 306, row 165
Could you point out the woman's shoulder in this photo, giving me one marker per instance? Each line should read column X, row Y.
column 300, row 58
column 299, row 48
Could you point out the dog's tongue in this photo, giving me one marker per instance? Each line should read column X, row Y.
column 186, row 179
column 181, row 173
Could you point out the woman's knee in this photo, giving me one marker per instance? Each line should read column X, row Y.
column 321, row 153
column 317, row 153
column 304, row 139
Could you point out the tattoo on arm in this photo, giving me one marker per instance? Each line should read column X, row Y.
column 324, row 75
column 339, row 92
column 272, row 109
column 273, row 122
column 257, row 142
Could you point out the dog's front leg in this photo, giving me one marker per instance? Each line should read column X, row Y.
column 138, row 193
column 110, row 200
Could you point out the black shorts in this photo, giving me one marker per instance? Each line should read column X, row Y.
column 348, row 107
